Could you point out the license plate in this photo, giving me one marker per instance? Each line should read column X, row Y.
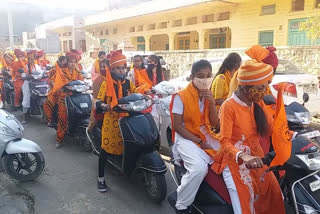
column 311, row 134
column 315, row 185
column 84, row 105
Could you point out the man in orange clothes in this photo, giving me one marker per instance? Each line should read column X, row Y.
column 193, row 113
column 41, row 59
column 63, row 77
column 243, row 123
column 19, row 69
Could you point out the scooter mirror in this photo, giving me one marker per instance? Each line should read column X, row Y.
column 305, row 98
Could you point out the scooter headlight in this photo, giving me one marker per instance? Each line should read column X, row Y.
column 5, row 130
column 309, row 210
column 311, row 160
column 136, row 106
column 303, row 117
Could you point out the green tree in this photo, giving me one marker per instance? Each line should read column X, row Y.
column 312, row 27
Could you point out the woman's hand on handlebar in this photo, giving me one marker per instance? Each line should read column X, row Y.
column 252, row 162
column 105, row 107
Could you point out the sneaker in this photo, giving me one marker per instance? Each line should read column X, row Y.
column 102, row 187
column 58, row 145
column 186, row 211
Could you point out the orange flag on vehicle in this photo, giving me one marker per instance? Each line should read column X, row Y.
column 281, row 137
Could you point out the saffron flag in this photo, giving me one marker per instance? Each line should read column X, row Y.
column 281, row 138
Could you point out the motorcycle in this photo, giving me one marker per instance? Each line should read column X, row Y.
column 22, row 158
column 300, row 184
column 78, row 105
column 141, row 146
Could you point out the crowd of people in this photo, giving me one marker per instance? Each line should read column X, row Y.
column 219, row 122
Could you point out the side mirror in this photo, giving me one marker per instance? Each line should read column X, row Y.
column 306, row 98
column 49, row 67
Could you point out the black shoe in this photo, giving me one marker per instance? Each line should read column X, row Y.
column 102, row 187
column 186, row 211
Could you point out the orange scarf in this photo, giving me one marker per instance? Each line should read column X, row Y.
column 142, row 80
column 110, row 92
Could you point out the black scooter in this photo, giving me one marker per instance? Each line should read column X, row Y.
column 300, row 185
column 141, row 146
column 78, row 109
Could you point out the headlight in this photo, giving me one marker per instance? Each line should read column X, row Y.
column 78, row 88
column 313, row 163
column 137, row 106
column 303, row 117
column 5, row 130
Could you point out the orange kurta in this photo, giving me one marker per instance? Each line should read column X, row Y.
column 238, row 133
column 17, row 78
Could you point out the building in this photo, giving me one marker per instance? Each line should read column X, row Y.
column 56, row 36
column 5, row 43
column 200, row 24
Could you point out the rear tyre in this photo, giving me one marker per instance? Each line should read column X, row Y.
column 29, row 169
column 156, row 186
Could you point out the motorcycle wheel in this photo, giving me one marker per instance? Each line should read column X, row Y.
column 29, row 169
column 156, row 186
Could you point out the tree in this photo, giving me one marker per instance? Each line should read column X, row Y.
column 312, row 27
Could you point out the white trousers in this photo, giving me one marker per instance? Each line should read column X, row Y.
column 227, row 177
column 26, row 96
column 196, row 163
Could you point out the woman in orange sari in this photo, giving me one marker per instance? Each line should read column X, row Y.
column 139, row 75
column 243, row 122
column 95, row 68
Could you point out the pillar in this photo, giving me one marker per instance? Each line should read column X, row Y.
column 147, row 42
column 172, row 37
column 202, row 34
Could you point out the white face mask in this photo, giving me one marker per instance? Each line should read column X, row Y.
column 203, row 84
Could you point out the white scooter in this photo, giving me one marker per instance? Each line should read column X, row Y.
column 22, row 158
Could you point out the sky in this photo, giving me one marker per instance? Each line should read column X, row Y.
column 76, row 4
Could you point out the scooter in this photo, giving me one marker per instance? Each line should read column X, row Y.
column 78, row 105
column 8, row 88
column 39, row 89
column 141, row 146
column 161, row 114
column 22, row 158
column 300, row 185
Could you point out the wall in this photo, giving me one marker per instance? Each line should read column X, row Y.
column 180, row 62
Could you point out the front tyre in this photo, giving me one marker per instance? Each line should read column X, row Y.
column 24, row 166
column 156, row 186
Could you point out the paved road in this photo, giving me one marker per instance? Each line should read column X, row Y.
column 69, row 183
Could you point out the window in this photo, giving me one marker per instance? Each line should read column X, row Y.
column 132, row 29
column 101, row 32
column 217, row 41
column 140, row 39
column 140, row 28
column 162, row 25
column 208, row 18
column 192, row 21
column 266, row 38
column 152, row 27
column 184, row 43
column 69, row 34
column 317, row 3
column 107, row 32
column 177, row 23
column 297, row 5
column 64, row 34
column 269, row 9
column 115, row 30
column 223, row 16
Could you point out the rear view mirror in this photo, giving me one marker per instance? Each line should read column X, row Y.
column 306, row 98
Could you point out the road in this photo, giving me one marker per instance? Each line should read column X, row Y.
column 68, row 184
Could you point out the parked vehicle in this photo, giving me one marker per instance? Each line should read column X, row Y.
column 288, row 72
column 23, row 159
column 300, row 185
column 8, row 88
column 78, row 105
column 141, row 145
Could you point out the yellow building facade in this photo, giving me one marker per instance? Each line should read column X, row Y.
column 201, row 24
